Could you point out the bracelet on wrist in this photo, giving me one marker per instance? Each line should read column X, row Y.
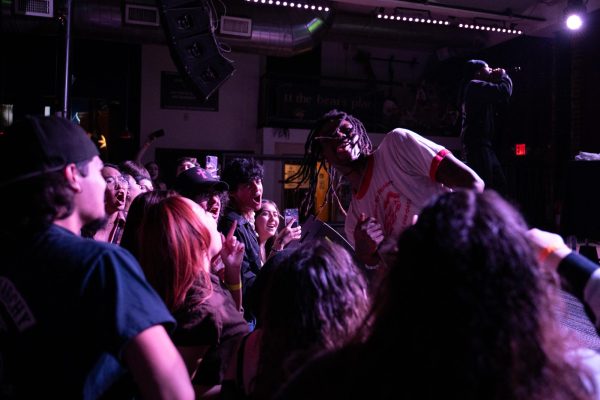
column 545, row 253
column 235, row 286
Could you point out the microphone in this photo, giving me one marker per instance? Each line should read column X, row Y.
column 514, row 68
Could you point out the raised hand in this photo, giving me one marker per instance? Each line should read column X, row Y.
column 286, row 235
column 368, row 235
column 232, row 255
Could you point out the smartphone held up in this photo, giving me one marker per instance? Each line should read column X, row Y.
column 289, row 214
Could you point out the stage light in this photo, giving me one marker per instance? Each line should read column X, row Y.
column 575, row 14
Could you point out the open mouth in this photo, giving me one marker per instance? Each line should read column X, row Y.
column 121, row 196
column 271, row 229
column 214, row 211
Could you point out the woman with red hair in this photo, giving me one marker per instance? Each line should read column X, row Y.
column 179, row 241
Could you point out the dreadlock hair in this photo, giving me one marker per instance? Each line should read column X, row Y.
column 313, row 154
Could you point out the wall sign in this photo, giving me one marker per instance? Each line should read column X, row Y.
column 175, row 93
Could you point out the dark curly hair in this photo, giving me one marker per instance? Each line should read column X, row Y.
column 239, row 171
column 135, row 170
column 316, row 298
column 313, row 155
column 467, row 303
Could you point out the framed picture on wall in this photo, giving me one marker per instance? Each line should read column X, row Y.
column 176, row 93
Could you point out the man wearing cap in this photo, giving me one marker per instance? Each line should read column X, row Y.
column 482, row 90
column 77, row 318
column 199, row 186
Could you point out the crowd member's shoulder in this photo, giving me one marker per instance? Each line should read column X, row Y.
column 228, row 218
column 226, row 221
column 76, row 250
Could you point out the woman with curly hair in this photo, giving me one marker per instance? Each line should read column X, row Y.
column 315, row 300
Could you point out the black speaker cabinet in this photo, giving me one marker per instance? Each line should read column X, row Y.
column 189, row 29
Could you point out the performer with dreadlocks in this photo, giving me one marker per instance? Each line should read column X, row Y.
column 390, row 185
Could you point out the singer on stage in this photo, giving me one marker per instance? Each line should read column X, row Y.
column 389, row 185
column 482, row 90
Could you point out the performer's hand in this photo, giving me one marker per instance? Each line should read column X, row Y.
column 368, row 235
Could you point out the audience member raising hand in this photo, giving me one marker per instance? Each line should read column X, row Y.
column 178, row 240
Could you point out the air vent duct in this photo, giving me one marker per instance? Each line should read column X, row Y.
column 141, row 15
column 236, row 26
column 35, row 8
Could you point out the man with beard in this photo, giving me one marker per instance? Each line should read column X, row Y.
column 77, row 317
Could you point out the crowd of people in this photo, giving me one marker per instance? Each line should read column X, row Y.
column 112, row 286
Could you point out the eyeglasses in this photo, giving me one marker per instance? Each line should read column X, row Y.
column 345, row 130
column 112, row 181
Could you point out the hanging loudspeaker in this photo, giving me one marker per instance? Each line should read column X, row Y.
column 189, row 29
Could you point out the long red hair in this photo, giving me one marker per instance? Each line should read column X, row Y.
column 173, row 251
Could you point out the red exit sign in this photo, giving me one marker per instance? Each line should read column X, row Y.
column 520, row 149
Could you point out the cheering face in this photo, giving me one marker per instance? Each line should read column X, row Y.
column 267, row 221
column 339, row 142
column 209, row 222
column 116, row 190
column 211, row 203
column 248, row 196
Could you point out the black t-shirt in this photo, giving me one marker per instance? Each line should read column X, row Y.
column 251, row 263
column 215, row 322
column 68, row 306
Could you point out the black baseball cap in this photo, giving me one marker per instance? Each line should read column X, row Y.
column 473, row 66
column 196, row 180
column 39, row 145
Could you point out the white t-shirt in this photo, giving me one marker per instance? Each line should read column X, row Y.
column 398, row 181
column 591, row 360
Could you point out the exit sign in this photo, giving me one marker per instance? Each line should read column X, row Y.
column 520, row 149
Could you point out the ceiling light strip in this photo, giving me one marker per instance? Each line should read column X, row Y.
column 479, row 27
column 292, row 4
column 422, row 20
column 434, row 21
